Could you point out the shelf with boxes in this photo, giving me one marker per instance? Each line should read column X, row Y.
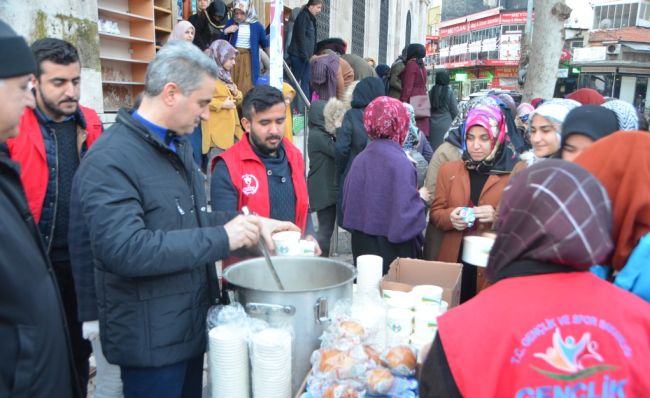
column 126, row 46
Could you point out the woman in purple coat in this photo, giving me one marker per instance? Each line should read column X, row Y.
column 382, row 206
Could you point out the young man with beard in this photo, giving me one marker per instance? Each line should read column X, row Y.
column 54, row 136
column 263, row 171
column 35, row 350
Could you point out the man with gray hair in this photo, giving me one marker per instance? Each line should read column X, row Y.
column 153, row 240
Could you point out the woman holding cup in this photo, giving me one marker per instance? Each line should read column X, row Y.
column 472, row 185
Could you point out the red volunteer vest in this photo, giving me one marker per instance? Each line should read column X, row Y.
column 554, row 335
column 28, row 150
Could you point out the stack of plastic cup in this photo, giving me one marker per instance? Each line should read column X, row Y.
column 428, row 299
column 271, row 363
column 228, row 362
column 369, row 273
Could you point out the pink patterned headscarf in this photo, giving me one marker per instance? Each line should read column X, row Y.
column 386, row 118
column 221, row 51
column 503, row 156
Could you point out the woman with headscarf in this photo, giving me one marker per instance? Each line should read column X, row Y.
column 544, row 131
column 209, row 22
column 621, row 163
column 222, row 127
column 546, row 326
column 414, row 81
column 247, row 35
column 451, row 149
column 351, row 137
column 444, row 108
column 587, row 96
column 182, row 31
column 628, row 119
column 417, row 146
column 475, row 183
column 381, row 203
column 583, row 126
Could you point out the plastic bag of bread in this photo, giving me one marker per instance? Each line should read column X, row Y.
column 333, row 364
column 318, row 388
column 401, row 360
column 344, row 334
column 381, row 382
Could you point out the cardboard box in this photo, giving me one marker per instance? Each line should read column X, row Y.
column 405, row 273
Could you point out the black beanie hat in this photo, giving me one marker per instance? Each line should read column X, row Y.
column 593, row 121
column 18, row 58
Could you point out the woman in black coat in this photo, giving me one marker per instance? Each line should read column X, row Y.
column 351, row 137
column 444, row 109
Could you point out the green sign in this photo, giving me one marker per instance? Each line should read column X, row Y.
column 461, row 77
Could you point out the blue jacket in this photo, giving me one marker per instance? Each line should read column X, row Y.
column 635, row 276
column 258, row 38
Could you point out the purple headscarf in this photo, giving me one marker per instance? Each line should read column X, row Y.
column 554, row 212
column 221, row 51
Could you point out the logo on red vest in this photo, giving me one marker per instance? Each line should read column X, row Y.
column 251, row 184
column 569, row 356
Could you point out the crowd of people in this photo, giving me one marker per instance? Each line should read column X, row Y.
column 116, row 232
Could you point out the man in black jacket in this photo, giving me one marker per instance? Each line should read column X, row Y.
column 303, row 43
column 34, row 345
column 153, row 240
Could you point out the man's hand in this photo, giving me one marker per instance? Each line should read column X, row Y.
column 231, row 29
column 457, row 220
column 317, row 251
column 270, row 226
column 243, row 231
column 484, row 213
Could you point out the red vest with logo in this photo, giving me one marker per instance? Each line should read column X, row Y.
column 28, row 150
column 553, row 335
column 248, row 175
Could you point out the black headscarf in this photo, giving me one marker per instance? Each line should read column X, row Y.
column 593, row 121
column 439, row 93
column 415, row 50
column 553, row 212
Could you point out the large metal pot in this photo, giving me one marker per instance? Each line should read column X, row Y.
column 312, row 285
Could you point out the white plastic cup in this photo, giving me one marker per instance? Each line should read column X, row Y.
column 307, row 247
column 430, row 295
column 425, row 325
column 476, row 250
column 369, row 271
column 399, row 322
column 419, row 340
column 286, row 243
column 397, row 299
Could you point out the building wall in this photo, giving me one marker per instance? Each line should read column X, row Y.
column 76, row 21
column 71, row 20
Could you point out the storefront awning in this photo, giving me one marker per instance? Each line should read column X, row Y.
column 637, row 46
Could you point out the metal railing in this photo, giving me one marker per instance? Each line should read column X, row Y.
column 307, row 103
